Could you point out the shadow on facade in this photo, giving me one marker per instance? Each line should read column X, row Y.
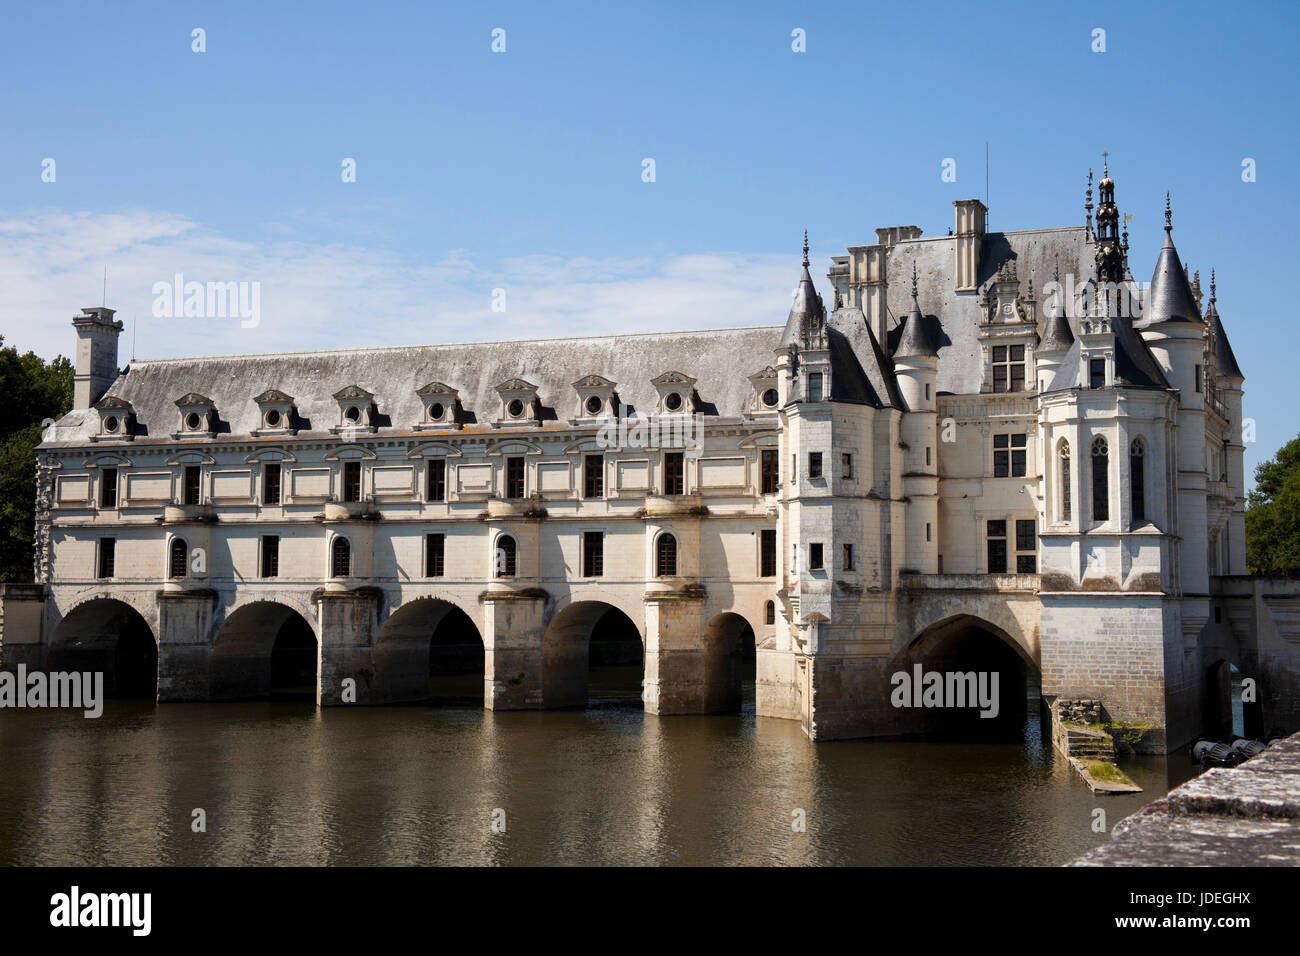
column 111, row 637
column 730, row 665
column 429, row 650
column 593, row 656
column 265, row 650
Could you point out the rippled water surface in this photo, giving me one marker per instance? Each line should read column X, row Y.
column 286, row 784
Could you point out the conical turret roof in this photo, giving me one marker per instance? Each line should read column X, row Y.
column 1169, row 298
column 915, row 340
column 807, row 313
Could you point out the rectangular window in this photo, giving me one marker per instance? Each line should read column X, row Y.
column 1009, row 460
column 1198, row 378
column 848, row 557
column 770, row 471
column 107, row 557
column 1096, row 373
column 814, row 557
column 1026, row 546
column 108, row 488
column 1008, row 368
column 435, row 546
column 814, row 464
column 814, row 386
column 191, row 485
column 593, row 553
column 674, row 473
column 352, row 481
column 271, row 484
column 927, row 456
column 435, row 480
column 767, row 553
column 997, row 547
column 270, row 555
column 514, row 477
column 846, row 465
column 593, row 476
column 927, row 531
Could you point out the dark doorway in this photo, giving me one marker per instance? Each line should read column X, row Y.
column 293, row 661
column 456, row 661
column 616, row 662
column 135, row 663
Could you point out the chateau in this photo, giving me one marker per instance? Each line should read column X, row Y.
column 990, row 453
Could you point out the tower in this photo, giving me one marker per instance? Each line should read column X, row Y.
column 916, row 362
column 96, row 366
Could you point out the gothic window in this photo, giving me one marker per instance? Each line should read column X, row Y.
column 1008, row 368
column 178, row 558
column 769, row 612
column 1063, row 459
column 340, row 558
column 1137, row 480
column 506, row 557
column 1100, row 480
column 1009, row 456
column 665, row 556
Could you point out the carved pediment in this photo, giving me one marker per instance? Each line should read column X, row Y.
column 353, row 393
column 593, row 382
column 673, row 378
column 273, row 396
column 436, row 388
column 767, row 374
column 194, row 400
column 516, row 385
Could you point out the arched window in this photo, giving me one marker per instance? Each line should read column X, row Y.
column 666, row 556
column 1063, row 467
column 340, row 558
column 178, row 558
column 1137, row 492
column 1100, row 480
column 769, row 612
column 506, row 557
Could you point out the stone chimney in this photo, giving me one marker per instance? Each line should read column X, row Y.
column 971, row 218
column 96, row 366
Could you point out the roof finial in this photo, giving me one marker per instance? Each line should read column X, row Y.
column 1105, row 164
column 913, row 280
column 1056, row 272
column 1212, row 292
column 805, row 248
column 1087, row 207
column 1169, row 215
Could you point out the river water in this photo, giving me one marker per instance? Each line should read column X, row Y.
column 285, row 783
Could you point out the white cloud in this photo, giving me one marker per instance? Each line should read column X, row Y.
column 337, row 296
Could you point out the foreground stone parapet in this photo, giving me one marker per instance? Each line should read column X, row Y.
column 1246, row 816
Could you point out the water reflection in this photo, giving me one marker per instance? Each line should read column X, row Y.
column 283, row 783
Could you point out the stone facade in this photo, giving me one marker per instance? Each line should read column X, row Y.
column 909, row 478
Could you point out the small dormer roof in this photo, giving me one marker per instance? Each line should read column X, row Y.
column 673, row 378
column 193, row 400
column 516, row 385
column 435, row 388
column 353, row 393
column 273, row 396
column 114, row 403
column 594, row 381
column 767, row 373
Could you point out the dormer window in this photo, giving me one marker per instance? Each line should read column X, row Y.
column 765, row 395
column 357, row 411
column 116, row 419
column 676, row 393
column 198, row 416
column 441, row 405
column 596, row 398
column 276, row 414
column 519, row 404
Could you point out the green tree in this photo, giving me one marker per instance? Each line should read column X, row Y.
column 36, row 390
column 1273, row 514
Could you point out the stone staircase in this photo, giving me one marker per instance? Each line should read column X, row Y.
column 1085, row 742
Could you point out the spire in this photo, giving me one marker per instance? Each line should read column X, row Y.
column 1224, row 359
column 1169, row 298
column 1057, row 336
column 1087, row 207
column 1109, row 253
column 806, row 326
column 915, row 339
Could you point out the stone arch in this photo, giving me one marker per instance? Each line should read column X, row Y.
column 111, row 636
column 259, row 642
column 424, row 639
column 730, row 645
column 567, row 643
column 966, row 643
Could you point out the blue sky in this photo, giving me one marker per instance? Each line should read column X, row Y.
column 522, row 170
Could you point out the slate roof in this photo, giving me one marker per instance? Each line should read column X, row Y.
column 860, row 370
column 1169, row 296
column 1224, row 359
column 721, row 360
column 955, row 331
column 915, row 338
column 1135, row 366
